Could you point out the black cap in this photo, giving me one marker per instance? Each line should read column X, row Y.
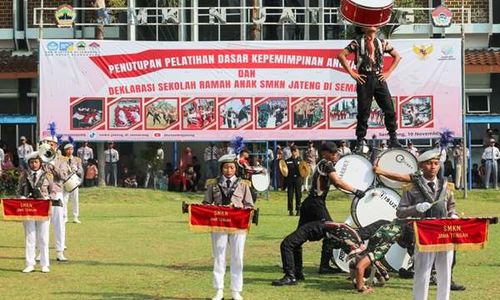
column 329, row 147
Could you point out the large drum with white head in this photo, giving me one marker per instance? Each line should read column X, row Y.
column 398, row 161
column 71, row 183
column 356, row 170
column 396, row 258
column 378, row 204
column 339, row 258
column 260, row 181
column 367, row 12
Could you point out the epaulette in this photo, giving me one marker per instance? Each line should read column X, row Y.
column 451, row 186
column 246, row 182
column 210, row 181
column 407, row 187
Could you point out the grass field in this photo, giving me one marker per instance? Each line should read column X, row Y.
column 135, row 244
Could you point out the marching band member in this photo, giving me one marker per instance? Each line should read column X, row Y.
column 74, row 166
column 372, row 81
column 293, row 181
column 36, row 183
column 246, row 170
column 59, row 170
column 228, row 189
column 314, row 206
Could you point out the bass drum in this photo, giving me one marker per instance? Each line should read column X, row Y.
column 398, row 161
column 71, row 183
column 396, row 258
column 367, row 12
column 356, row 170
column 378, row 204
column 260, row 182
column 339, row 258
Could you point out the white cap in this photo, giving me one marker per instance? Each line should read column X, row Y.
column 68, row 145
column 227, row 158
column 22, row 138
column 50, row 139
column 32, row 155
column 429, row 154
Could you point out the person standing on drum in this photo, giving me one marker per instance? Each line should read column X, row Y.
column 314, row 206
column 293, row 181
column 371, row 79
column 229, row 190
column 75, row 166
column 34, row 182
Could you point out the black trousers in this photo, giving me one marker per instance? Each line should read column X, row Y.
column 314, row 209
column 291, row 247
column 294, row 187
column 373, row 87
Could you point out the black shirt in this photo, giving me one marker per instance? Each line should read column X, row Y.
column 321, row 181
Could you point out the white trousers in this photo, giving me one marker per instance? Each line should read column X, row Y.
column 74, row 197
column 36, row 234
column 59, row 225
column 219, row 245
column 423, row 262
column 459, row 179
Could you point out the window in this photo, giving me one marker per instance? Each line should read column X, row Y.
column 478, row 104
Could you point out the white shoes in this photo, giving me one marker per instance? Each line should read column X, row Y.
column 219, row 295
column 29, row 269
column 77, row 221
column 60, row 257
column 236, row 295
column 37, row 258
column 45, row 270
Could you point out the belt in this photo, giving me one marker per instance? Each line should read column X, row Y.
column 56, row 203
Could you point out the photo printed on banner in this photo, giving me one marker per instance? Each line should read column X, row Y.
column 125, row 113
column 308, row 112
column 199, row 113
column 235, row 113
column 342, row 113
column 87, row 113
column 162, row 113
column 272, row 113
column 416, row 112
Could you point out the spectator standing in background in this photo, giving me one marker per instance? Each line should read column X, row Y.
column 111, row 158
column 210, row 155
column 490, row 155
column 458, row 155
column 23, row 150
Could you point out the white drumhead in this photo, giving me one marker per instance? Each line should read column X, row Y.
column 398, row 161
column 71, row 183
column 356, row 170
column 396, row 258
column 260, row 182
column 373, row 4
column 378, row 204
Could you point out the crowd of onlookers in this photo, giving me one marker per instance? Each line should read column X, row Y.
column 153, row 170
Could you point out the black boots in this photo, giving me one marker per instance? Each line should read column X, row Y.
column 286, row 280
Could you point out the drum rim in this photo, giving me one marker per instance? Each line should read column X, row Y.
column 355, row 202
column 368, row 7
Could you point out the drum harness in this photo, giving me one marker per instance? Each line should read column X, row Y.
column 226, row 197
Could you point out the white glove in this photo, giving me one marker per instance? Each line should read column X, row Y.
column 423, row 207
column 455, row 216
column 22, row 197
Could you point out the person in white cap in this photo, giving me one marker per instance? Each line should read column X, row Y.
column 34, row 182
column 230, row 190
column 75, row 166
column 490, row 155
column 23, row 150
column 58, row 169
column 427, row 196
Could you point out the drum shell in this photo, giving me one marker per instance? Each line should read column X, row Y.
column 71, row 183
column 361, row 15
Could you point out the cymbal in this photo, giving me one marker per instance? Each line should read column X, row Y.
column 304, row 169
column 283, row 168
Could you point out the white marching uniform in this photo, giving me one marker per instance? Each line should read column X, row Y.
column 74, row 165
column 36, row 232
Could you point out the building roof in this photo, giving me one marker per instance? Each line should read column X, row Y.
column 482, row 60
column 18, row 65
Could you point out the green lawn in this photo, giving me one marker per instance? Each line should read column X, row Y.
column 135, row 244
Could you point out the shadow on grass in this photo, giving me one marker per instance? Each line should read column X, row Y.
column 118, row 264
column 209, row 268
column 11, row 247
column 10, row 270
column 110, row 295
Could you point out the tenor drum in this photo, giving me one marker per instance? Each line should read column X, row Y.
column 396, row 258
column 356, row 170
column 367, row 12
column 398, row 161
column 260, row 182
column 378, row 204
column 71, row 183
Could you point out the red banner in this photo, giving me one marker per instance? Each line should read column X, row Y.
column 26, row 209
column 213, row 218
column 451, row 234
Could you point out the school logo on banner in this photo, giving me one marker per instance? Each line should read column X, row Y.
column 65, row 16
column 441, row 16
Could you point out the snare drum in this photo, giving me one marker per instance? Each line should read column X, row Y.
column 367, row 12
column 396, row 258
column 398, row 161
column 356, row 170
column 71, row 183
column 378, row 204
column 260, row 182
